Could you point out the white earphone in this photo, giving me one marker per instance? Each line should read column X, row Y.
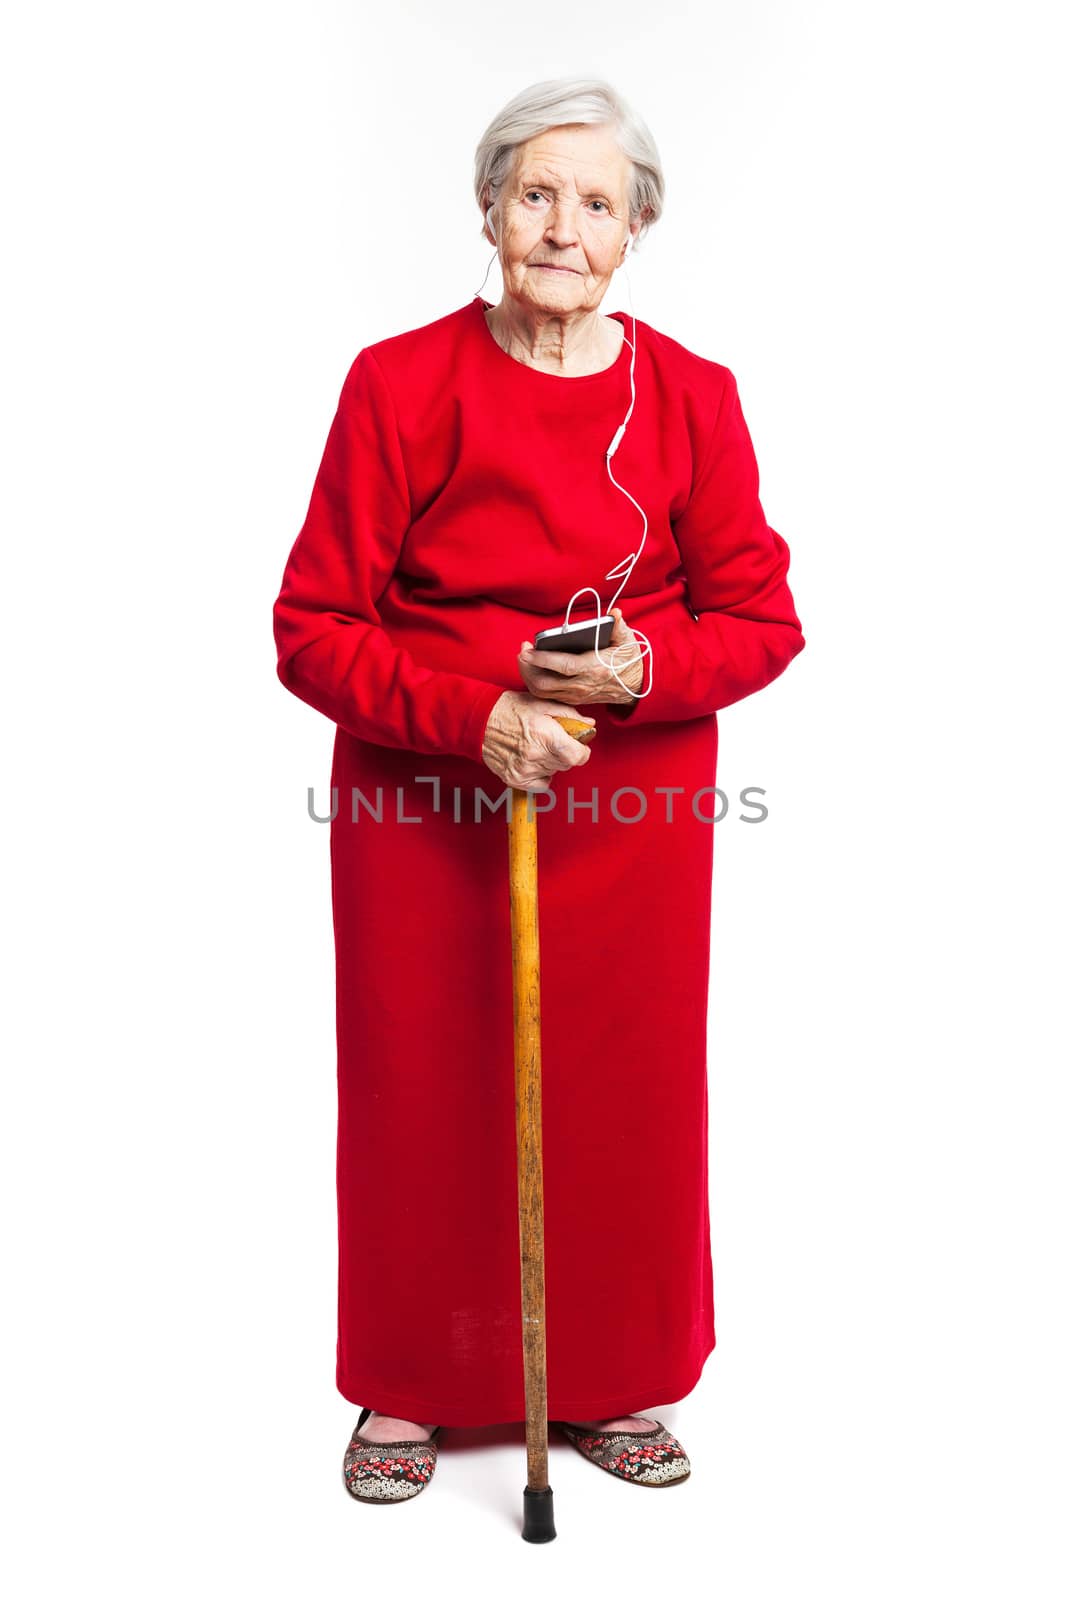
column 626, row 566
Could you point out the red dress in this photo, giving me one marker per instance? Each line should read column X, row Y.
column 462, row 499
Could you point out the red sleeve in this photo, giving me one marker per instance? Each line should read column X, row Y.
column 747, row 630
column 332, row 649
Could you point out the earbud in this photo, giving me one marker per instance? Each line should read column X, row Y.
column 625, row 567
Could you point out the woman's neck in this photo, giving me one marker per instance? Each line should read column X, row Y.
column 571, row 346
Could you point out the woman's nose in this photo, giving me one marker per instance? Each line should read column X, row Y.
column 562, row 227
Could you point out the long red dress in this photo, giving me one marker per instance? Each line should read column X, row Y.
column 462, row 499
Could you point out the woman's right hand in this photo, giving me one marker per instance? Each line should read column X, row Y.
column 523, row 744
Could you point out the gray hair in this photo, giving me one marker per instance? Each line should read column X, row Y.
column 553, row 103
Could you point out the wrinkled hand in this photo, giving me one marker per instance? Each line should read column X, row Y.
column 578, row 680
column 525, row 746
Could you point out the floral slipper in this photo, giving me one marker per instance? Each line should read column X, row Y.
column 654, row 1458
column 387, row 1472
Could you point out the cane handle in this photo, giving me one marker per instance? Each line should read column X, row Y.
column 582, row 731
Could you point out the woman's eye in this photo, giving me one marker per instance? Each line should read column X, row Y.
column 539, row 192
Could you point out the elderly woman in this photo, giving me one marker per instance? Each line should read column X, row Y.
column 465, row 495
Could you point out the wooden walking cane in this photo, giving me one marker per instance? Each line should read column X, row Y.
column 538, row 1525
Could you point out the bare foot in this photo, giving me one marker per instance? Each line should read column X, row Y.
column 622, row 1425
column 387, row 1430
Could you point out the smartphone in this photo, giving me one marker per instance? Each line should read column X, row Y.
column 590, row 634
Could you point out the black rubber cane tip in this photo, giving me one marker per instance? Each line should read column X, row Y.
column 539, row 1523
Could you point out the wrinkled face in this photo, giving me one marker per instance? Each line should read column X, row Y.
column 561, row 220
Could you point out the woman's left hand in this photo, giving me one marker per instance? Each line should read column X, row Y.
column 580, row 680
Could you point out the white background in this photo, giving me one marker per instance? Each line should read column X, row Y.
column 211, row 209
